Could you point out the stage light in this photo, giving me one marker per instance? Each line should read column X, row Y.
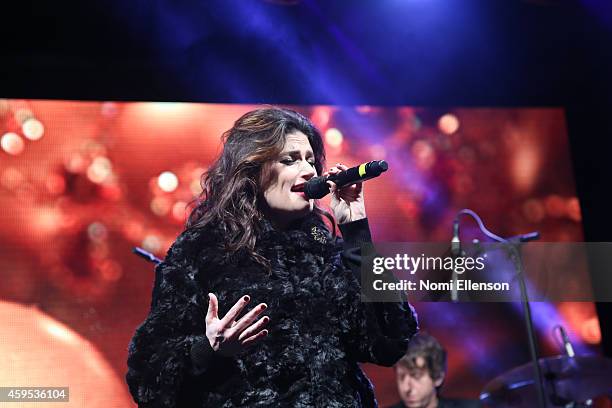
column 197, row 172
column 11, row 178
column 75, row 163
column 590, row 331
column 33, row 129
column 99, row 170
column 448, row 124
column 47, row 220
column 364, row 109
column 23, row 114
column 12, row 143
column 573, row 209
column 333, row 137
column 178, row 211
column 195, row 187
column 160, row 205
column 151, row 243
column 320, row 116
column 524, row 163
column 97, row 231
column 424, row 154
column 167, row 181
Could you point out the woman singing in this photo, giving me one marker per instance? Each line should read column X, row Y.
column 257, row 304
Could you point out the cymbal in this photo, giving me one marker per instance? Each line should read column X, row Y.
column 566, row 379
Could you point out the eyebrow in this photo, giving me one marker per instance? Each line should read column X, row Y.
column 292, row 152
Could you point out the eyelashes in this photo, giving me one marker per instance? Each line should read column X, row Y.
column 289, row 162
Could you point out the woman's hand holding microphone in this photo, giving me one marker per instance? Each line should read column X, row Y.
column 347, row 203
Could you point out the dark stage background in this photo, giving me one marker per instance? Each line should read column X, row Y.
column 508, row 55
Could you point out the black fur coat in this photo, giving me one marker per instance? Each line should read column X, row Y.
column 319, row 328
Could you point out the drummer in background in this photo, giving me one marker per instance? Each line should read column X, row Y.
column 420, row 374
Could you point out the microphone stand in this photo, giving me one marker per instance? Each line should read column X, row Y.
column 153, row 259
column 515, row 254
column 146, row 255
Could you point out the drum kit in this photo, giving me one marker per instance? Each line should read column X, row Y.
column 567, row 381
column 570, row 382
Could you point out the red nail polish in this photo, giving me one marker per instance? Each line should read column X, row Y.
column 246, row 298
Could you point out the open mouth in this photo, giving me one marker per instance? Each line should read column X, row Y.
column 298, row 188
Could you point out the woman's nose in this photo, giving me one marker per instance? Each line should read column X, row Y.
column 307, row 171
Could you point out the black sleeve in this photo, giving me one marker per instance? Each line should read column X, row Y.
column 166, row 352
column 379, row 331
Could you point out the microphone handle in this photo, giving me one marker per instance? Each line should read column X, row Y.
column 317, row 187
column 360, row 173
column 455, row 241
column 567, row 344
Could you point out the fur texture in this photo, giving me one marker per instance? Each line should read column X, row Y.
column 319, row 329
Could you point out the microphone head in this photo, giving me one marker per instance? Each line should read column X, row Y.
column 316, row 188
column 376, row 167
column 382, row 165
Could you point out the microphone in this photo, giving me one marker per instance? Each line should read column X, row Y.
column 567, row 345
column 455, row 252
column 455, row 241
column 530, row 236
column 146, row 255
column 317, row 187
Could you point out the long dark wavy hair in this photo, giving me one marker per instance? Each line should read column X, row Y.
column 233, row 186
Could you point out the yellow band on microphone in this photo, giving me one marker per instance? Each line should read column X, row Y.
column 362, row 169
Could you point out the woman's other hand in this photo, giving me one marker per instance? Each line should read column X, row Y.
column 347, row 203
column 228, row 336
